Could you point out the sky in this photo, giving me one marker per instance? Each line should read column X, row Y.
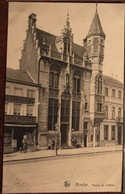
column 51, row 17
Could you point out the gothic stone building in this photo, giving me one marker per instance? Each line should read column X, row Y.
column 72, row 101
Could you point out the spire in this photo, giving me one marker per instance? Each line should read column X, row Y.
column 67, row 21
column 96, row 27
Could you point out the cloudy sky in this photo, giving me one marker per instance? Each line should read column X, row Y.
column 51, row 17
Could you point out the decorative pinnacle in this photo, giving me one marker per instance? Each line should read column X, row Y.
column 67, row 20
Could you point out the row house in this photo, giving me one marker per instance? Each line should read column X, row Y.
column 21, row 110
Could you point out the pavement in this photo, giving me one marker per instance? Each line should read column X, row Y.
column 46, row 154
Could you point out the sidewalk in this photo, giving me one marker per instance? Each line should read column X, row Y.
column 17, row 156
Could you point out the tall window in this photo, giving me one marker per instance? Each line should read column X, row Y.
column 106, row 112
column 7, row 90
column 113, row 112
column 6, row 108
column 54, row 80
column 29, row 110
column 119, row 94
column 75, row 115
column 18, row 91
column 17, row 109
column 99, row 107
column 119, row 113
column 106, row 132
column 98, row 84
column 85, row 125
column 52, row 113
column 76, row 84
column 106, row 91
column 65, row 108
column 30, row 93
column 113, row 93
column 113, row 132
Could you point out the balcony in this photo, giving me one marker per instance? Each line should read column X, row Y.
column 19, row 99
column 17, row 119
column 99, row 116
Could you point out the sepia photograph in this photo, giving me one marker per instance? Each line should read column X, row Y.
column 63, row 118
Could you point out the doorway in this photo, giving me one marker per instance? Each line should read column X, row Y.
column 63, row 134
column 119, row 135
column 85, row 140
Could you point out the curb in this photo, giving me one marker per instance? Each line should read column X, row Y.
column 61, row 156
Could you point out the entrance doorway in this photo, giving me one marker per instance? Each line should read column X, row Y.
column 85, row 140
column 63, row 134
column 119, row 135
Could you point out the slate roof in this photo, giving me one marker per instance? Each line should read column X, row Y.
column 18, row 75
column 96, row 27
column 112, row 81
column 51, row 40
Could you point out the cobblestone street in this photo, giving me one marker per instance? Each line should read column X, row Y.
column 101, row 172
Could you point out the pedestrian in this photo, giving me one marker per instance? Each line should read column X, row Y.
column 24, row 142
column 53, row 143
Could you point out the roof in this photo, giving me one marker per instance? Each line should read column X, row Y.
column 50, row 39
column 112, row 81
column 96, row 27
column 18, row 75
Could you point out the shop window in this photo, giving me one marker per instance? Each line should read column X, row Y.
column 106, row 132
column 17, row 109
column 113, row 133
column 29, row 111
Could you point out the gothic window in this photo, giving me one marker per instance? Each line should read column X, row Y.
column 75, row 115
column 76, row 84
column 98, row 84
column 65, row 110
column 52, row 113
column 53, row 80
column 85, row 125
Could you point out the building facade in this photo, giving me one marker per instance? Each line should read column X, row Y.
column 21, row 110
column 72, row 103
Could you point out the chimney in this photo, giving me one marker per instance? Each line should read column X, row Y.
column 32, row 20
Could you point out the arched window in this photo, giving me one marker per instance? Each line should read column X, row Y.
column 54, row 79
column 76, row 84
column 98, row 84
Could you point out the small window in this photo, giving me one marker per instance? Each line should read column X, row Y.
column 113, row 93
column 106, row 112
column 113, row 132
column 30, row 93
column 113, row 112
column 86, row 106
column 119, row 94
column 17, row 109
column 106, row 91
column 105, row 132
column 85, row 125
column 99, row 107
column 18, row 92
column 6, row 108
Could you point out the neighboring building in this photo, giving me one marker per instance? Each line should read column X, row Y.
column 21, row 110
column 73, row 103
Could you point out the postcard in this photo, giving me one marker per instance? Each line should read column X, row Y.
column 63, row 126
